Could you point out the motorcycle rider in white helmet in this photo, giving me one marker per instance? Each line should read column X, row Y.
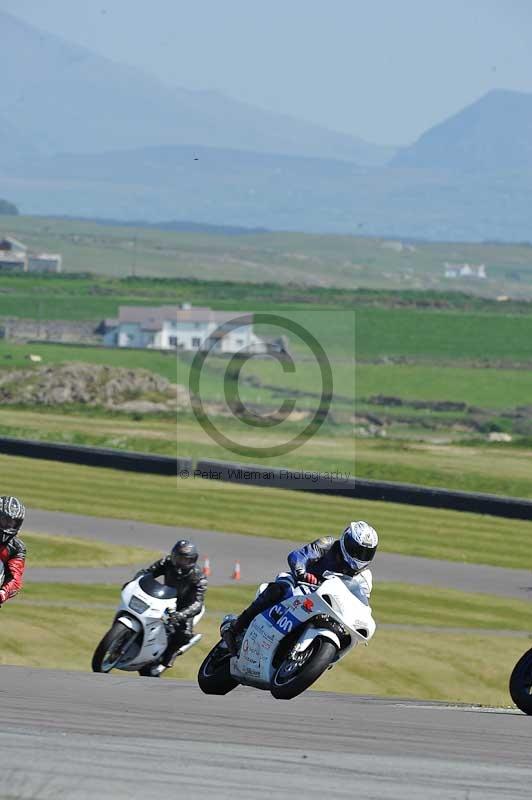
column 351, row 555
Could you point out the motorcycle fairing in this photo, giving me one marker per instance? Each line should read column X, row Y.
column 253, row 666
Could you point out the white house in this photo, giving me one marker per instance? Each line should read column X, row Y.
column 465, row 271
column 184, row 328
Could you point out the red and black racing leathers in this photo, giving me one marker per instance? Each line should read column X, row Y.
column 13, row 558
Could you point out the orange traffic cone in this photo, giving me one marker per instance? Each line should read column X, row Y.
column 206, row 567
column 236, row 571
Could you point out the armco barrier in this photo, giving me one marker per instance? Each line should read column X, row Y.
column 95, row 456
column 409, row 494
column 277, row 478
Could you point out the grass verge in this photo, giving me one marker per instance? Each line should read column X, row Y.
column 333, row 448
column 279, row 513
column 64, row 551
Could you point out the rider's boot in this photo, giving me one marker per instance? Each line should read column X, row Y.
column 233, row 630
column 169, row 660
column 179, row 639
column 154, row 671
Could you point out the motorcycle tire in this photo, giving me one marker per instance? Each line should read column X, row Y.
column 292, row 678
column 214, row 676
column 521, row 683
column 110, row 650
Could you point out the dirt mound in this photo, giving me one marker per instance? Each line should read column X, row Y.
column 114, row 388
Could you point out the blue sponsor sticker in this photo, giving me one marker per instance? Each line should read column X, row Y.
column 282, row 620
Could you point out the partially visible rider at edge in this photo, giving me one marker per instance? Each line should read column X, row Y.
column 182, row 573
column 350, row 555
column 12, row 549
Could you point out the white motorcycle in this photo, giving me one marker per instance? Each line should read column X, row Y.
column 137, row 639
column 287, row 647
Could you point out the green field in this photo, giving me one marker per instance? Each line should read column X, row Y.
column 279, row 513
column 413, row 350
column 14, row 356
column 420, row 326
column 342, row 261
column 63, row 551
column 409, row 349
column 67, row 621
column 487, row 388
column 462, row 467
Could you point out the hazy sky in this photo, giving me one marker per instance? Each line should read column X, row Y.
column 384, row 70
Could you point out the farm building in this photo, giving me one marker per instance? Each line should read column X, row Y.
column 44, row 262
column 184, row 328
column 465, row 271
column 15, row 256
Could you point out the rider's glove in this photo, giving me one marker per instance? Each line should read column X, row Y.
column 176, row 618
column 308, row 577
column 3, row 597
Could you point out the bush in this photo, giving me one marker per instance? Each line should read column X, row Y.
column 497, row 425
column 8, row 208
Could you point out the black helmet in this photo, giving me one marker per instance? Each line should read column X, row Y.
column 12, row 514
column 183, row 556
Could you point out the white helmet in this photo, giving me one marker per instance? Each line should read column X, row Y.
column 358, row 544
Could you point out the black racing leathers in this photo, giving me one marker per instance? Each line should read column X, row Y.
column 190, row 588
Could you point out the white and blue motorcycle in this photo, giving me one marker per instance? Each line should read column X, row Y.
column 137, row 638
column 287, row 647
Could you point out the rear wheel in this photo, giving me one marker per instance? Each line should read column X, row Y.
column 521, row 683
column 112, row 647
column 214, row 676
column 295, row 675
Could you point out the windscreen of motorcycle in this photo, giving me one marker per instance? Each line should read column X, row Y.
column 353, row 584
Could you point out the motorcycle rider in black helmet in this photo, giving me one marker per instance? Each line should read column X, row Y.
column 180, row 571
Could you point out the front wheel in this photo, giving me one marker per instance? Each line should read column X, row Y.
column 521, row 683
column 112, row 647
column 295, row 675
column 214, row 675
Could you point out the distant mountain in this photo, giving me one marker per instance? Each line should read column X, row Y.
column 83, row 136
column 494, row 133
column 215, row 186
column 66, row 99
column 177, row 226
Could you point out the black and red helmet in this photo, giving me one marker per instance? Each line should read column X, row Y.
column 12, row 513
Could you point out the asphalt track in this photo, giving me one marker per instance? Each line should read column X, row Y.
column 260, row 557
column 79, row 736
